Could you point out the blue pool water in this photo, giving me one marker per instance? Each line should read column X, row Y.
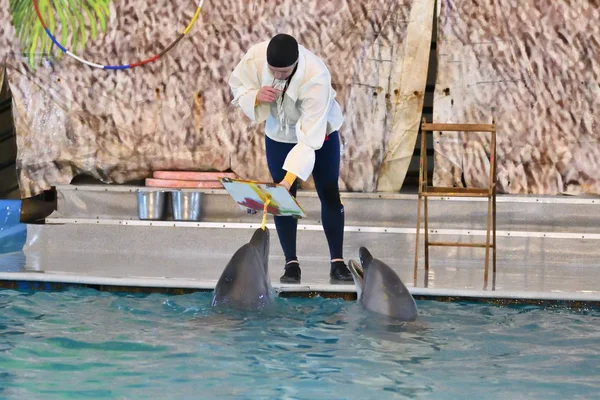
column 87, row 344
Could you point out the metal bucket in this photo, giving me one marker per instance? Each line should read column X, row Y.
column 151, row 204
column 186, row 205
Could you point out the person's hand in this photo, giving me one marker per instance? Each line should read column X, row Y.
column 286, row 184
column 267, row 94
column 288, row 180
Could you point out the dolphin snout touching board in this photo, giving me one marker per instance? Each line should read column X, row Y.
column 380, row 289
column 245, row 283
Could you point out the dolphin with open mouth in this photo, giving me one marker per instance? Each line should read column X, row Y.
column 380, row 289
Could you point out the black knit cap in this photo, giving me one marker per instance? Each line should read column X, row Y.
column 282, row 51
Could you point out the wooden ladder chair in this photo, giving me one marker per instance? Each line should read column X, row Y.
column 426, row 191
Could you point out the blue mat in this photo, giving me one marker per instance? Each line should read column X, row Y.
column 12, row 232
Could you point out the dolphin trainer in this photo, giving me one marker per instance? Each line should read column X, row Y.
column 380, row 289
column 245, row 282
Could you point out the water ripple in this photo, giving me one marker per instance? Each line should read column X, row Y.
column 87, row 344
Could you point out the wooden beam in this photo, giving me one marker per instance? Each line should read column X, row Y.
column 458, row 244
column 436, row 191
column 458, row 127
column 407, row 92
column 446, row 189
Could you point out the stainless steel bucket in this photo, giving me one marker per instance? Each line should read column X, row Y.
column 186, row 205
column 151, row 204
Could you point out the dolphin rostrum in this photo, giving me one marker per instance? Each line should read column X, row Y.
column 380, row 289
column 245, row 282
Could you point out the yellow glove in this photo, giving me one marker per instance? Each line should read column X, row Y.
column 290, row 178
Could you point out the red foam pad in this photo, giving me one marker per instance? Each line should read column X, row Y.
column 173, row 183
column 192, row 176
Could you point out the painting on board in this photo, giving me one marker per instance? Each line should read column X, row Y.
column 253, row 195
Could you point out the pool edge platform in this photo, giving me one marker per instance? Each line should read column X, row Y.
column 555, row 236
column 51, row 282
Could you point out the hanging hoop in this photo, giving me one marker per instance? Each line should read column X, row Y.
column 127, row 66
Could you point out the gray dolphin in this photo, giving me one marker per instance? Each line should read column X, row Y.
column 245, row 282
column 380, row 289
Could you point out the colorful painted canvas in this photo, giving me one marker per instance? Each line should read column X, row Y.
column 253, row 195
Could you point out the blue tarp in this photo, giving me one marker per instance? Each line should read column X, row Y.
column 13, row 233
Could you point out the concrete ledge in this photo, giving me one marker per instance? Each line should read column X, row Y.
column 49, row 282
column 172, row 258
column 524, row 213
column 547, row 249
column 319, row 227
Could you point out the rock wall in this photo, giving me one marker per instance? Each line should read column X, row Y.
column 533, row 66
column 176, row 113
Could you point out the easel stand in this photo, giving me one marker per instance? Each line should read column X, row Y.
column 426, row 191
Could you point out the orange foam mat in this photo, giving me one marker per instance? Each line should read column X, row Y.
column 173, row 183
column 192, row 176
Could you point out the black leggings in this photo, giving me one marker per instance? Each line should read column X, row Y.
column 325, row 174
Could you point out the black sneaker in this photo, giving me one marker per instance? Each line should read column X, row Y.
column 292, row 274
column 339, row 273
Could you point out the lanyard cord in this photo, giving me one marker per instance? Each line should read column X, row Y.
column 287, row 82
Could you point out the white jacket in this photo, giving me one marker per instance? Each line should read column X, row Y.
column 309, row 105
